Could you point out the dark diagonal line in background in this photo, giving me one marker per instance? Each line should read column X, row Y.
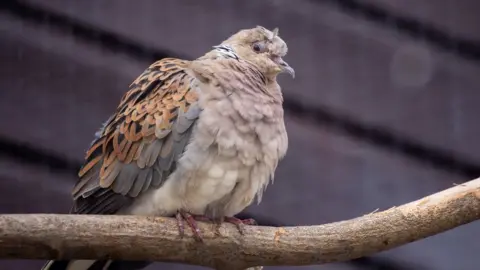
column 382, row 137
column 29, row 154
column 71, row 26
column 433, row 35
column 375, row 135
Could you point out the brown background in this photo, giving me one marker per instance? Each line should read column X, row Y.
column 383, row 109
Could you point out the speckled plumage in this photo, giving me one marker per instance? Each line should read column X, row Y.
column 235, row 145
column 204, row 136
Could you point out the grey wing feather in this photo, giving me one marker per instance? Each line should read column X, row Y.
column 123, row 182
column 133, row 180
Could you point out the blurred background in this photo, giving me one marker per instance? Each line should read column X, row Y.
column 383, row 109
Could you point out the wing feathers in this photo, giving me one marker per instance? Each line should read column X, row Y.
column 150, row 154
column 138, row 146
column 144, row 179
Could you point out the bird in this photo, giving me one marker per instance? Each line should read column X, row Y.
column 192, row 139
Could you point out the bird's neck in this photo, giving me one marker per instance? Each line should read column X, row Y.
column 275, row 90
column 224, row 51
column 221, row 51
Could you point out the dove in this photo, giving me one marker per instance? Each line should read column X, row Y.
column 198, row 140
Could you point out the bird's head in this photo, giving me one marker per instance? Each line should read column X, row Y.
column 261, row 47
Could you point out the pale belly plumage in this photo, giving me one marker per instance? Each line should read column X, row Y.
column 230, row 160
column 221, row 186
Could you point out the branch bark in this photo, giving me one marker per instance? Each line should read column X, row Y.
column 48, row 236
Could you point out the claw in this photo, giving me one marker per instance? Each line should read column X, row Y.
column 191, row 220
column 240, row 223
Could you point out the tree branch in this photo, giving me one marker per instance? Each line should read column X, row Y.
column 46, row 236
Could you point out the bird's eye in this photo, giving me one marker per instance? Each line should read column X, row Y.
column 259, row 47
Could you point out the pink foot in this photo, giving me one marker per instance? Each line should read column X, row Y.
column 192, row 223
column 240, row 223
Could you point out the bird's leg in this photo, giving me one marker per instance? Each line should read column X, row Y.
column 191, row 220
column 216, row 222
column 182, row 216
column 240, row 223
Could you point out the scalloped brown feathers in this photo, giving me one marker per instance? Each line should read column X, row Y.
column 140, row 143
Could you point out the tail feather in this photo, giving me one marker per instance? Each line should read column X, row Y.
column 95, row 265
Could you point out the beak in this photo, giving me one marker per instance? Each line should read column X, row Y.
column 286, row 68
